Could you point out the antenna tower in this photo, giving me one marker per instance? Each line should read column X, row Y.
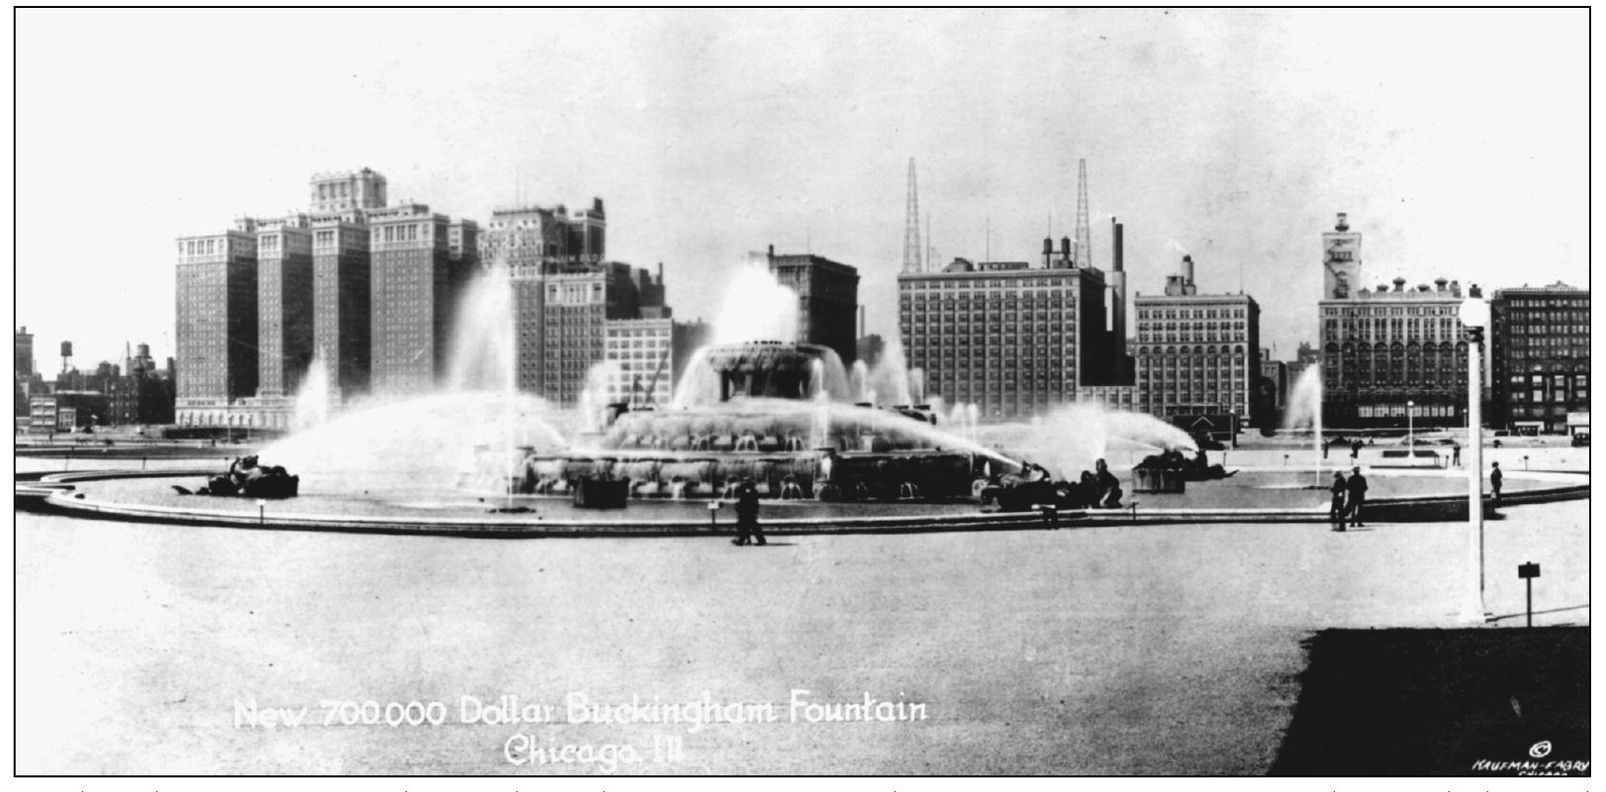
column 911, row 227
column 1084, row 235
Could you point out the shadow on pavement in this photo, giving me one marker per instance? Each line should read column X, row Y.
column 1478, row 701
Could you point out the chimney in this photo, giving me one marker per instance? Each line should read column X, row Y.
column 1343, row 222
column 1399, row 284
column 1474, row 291
column 1439, row 282
column 1187, row 270
column 1048, row 252
column 1115, row 243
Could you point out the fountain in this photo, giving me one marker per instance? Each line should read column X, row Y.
column 1305, row 409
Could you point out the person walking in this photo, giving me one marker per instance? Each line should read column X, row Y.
column 1495, row 478
column 747, row 528
column 1339, row 489
column 1455, row 454
column 1357, row 497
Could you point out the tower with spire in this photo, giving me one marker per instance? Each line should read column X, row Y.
column 1084, row 234
column 912, row 259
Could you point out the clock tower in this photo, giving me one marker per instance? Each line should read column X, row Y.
column 1341, row 261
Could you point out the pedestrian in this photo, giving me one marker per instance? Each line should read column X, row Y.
column 1355, row 449
column 1339, row 490
column 1357, row 497
column 747, row 528
column 1455, row 454
column 1325, row 444
column 1495, row 478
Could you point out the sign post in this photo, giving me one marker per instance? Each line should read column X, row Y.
column 713, row 515
column 262, row 512
column 1528, row 572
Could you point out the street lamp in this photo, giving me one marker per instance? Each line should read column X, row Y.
column 1410, row 423
column 1475, row 315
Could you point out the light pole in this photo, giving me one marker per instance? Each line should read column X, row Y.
column 1475, row 315
column 1410, row 423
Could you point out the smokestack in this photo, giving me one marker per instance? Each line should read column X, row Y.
column 1115, row 244
column 1187, row 270
column 1048, row 252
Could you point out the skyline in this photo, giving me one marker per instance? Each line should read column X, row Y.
column 1236, row 136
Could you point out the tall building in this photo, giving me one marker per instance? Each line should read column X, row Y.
column 1011, row 338
column 285, row 316
column 1387, row 352
column 412, row 297
column 22, row 362
column 1198, row 354
column 336, row 193
column 1540, row 357
column 1341, row 260
column 216, row 332
column 575, row 310
column 828, row 300
column 342, row 290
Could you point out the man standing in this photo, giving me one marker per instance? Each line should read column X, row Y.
column 747, row 528
column 1494, row 482
column 1336, row 511
column 1455, row 454
column 1357, row 497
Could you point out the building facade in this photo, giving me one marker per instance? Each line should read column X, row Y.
column 1394, row 356
column 285, row 316
column 1197, row 354
column 412, row 298
column 828, row 300
column 340, row 192
column 574, row 310
column 1010, row 338
column 216, row 332
column 1540, row 357
column 342, row 312
column 642, row 354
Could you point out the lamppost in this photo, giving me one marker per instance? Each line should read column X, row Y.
column 1475, row 315
column 1410, row 423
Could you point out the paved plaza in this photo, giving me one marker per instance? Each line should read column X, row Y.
column 1140, row 649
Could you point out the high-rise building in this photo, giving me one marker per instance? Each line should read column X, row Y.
column 575, row 310
column 216, row 333
column 1198, row 354
column 411, row 297
column 1006, row 336
column 1394, row 356
column 828, row 300
column 335, row 193
column 342, row 300
column 285, row 315
column 22, row 362
column 1540, row 357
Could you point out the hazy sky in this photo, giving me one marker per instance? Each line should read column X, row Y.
column 1456, row 140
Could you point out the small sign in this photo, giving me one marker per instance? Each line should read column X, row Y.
column 1528, row 570
column 713, row 505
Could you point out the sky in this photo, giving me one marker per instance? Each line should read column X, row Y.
column 1456, row 141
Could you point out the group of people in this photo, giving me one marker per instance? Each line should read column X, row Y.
column 1349, row 495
